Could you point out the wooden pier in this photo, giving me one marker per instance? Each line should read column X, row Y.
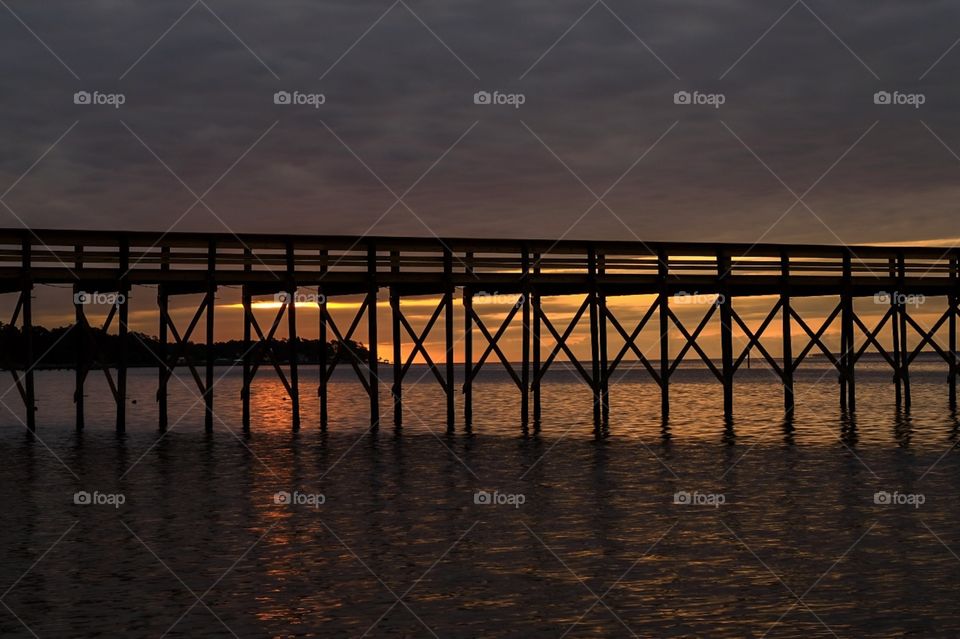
column 529, row 272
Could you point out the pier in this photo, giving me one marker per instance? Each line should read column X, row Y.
column 456, row 270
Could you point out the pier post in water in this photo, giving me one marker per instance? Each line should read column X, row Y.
column 449, row 338
column 123, row 289
column 80, row 344
column 525, row 347
column 895, row 335
column 322, row 385
column 372, row 357
column 26, row 301
column 468, row 349
column 663, row 266
column 247, row 319
column 602, row 346
column 292, row 339
column 952, row 346
column 904, row 348
column 594, row 337
column 397, row 388
column 788, row 394
column 726, row 332
column 535, row 305
column 211, row 302
column 848, row 389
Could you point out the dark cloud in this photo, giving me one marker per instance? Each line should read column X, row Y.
column 402, row 97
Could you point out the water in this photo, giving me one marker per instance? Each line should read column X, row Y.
column 399, row 520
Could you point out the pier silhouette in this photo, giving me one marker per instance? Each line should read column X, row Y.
column 521, row 273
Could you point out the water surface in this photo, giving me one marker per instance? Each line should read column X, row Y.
column 799, row 548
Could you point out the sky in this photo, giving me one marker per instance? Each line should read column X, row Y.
column 783, row 139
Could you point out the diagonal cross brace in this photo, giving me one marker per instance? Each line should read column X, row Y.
column 561, row 343
column 419, row 342
column 493, row 344
column 755, row 339
column 630, row 342
column 691, row 341
column 267, row 349
column 342, row 339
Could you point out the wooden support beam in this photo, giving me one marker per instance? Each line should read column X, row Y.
column 122, row 330
column 525, row 345
column 468, row 364
column 247, row 346
column 26, row 297
column 904, row 348
column 789, row 402
column 895, row 337
column 848, row 390
column 372, row 360
column 537, row 311
column 397, row 387
column 604, row 380
column 211, row 302
column 449, row 339
column 322, row 386
column 395, row 313
column 952, row 345
column 726, row 332
column 293, row 341
column 79, row 345
column 594, row 337
column 163, row 370
column 663, row 268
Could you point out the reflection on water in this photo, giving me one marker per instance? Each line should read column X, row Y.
column 799, row 546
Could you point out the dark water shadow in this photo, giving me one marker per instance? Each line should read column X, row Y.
column 788, row 426
column 903, row 428
column 849, row 434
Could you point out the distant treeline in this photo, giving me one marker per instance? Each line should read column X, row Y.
column 60, row 348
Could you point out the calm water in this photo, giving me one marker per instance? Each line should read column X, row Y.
column 798, row 547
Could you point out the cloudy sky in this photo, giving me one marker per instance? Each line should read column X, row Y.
column 788, row 144
column 399, row 120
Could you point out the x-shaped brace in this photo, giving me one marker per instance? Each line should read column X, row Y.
column 96, row 351
column 691, row 341
column 815, row 338
column 754, row 339
column 266, row 348
column 872, row 338
column 927, row 337
column 561, row 343
column 419, row 342
column 630, row 342
column 493, row 343
column 182, row 342
column 343, row 341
